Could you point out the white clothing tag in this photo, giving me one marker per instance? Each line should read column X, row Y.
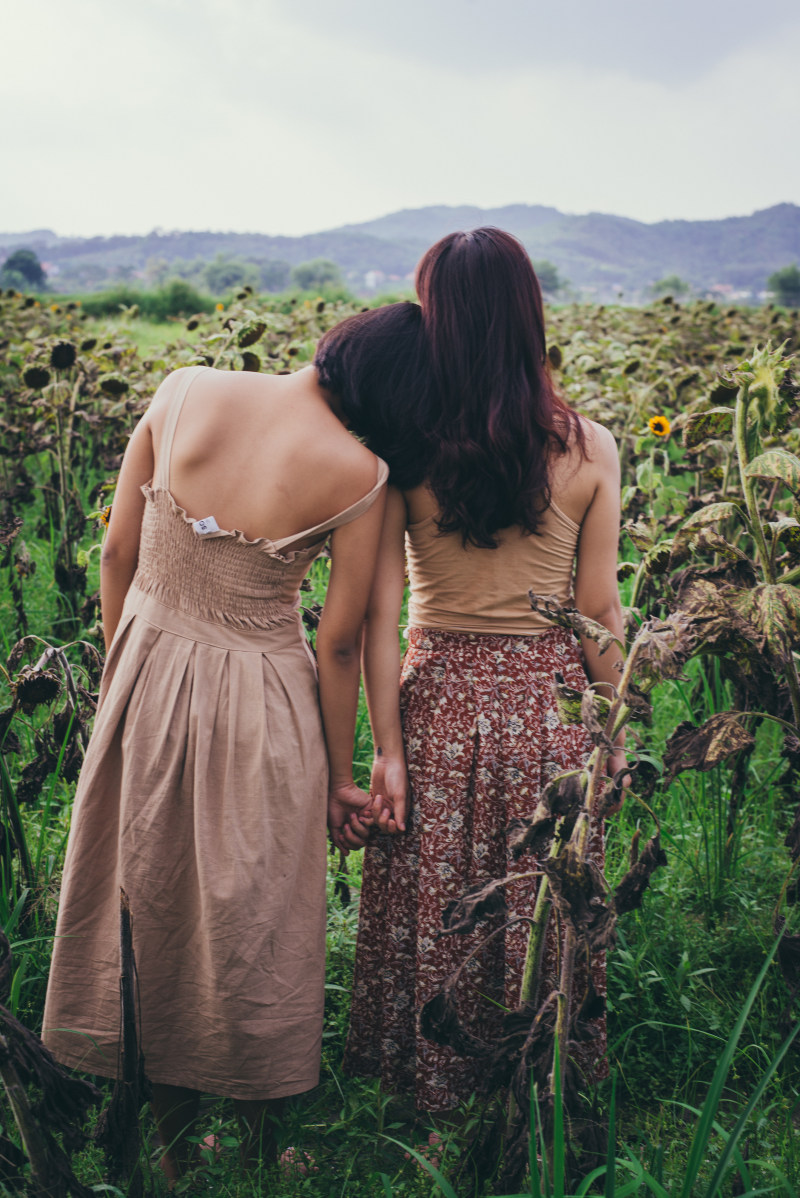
column 206, row 526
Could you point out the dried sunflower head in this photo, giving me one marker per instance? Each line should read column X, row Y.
column 63, row 355
column 113, row 384
column 33, row 687
column 251, row 332
column 36, row 376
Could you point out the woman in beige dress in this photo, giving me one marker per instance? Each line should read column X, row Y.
column 204, row 787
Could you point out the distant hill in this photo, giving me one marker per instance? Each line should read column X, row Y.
column 599, row 254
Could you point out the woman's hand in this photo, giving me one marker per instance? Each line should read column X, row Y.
column 389, row 790
column 350, row 816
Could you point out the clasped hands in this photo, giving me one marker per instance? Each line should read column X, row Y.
column 354, row 815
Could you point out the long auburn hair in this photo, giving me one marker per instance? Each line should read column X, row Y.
column 494, row 419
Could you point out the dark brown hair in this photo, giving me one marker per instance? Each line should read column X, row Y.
column 497, row 417
column 376, row 364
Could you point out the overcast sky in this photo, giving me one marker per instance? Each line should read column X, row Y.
column 291, row 116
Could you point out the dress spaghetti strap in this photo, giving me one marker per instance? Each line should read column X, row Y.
column 174, row 406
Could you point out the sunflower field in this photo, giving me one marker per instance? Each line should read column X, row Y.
column 697, row 903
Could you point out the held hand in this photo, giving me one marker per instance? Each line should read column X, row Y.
column 350, row 816
column 614, row 763
column 390, row 793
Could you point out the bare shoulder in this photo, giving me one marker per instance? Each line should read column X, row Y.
column 153, row 418
column 356, row 466
column 600, row 442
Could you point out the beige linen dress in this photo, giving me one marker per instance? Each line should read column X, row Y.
column 203, row 795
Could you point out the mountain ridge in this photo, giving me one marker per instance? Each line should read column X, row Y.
column 599, row 253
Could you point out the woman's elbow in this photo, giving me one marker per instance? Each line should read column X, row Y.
column 340, row 648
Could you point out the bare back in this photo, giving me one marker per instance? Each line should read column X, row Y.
column 263, row 454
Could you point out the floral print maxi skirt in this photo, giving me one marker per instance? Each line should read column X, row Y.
column 482, row 739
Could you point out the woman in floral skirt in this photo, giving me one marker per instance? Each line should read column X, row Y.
column 499, row 489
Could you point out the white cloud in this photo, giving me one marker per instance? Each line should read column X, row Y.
column 216, row 114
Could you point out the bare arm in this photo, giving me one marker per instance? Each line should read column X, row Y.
column 120, row 552
column 596, row 589
column 381, row 660
column 353, row 551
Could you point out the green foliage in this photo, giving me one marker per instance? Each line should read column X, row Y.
column 175, row 299
column 274, row 274
column 785, row 284
column 226, row 274
column 550, row 280
column 23, row 264
column 670, row 285
column 316, row 274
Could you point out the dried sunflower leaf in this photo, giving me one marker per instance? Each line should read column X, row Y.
column 568, row 700
column 630, row 891
column 594, row 715
column 439, row 1022
column 662, row 648
column 714, row 512
column 578, row 890
column 701, row 748
column 476, row 903
column 701, row 426
column 640, row 534
column 774, row 610
column 777, row 464
column 570, row 617
column 562, row 799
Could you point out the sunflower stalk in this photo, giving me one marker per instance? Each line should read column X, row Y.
column 32, row 1139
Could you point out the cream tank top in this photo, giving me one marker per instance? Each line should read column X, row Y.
column 466, row 589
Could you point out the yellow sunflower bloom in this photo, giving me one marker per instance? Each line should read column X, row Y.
column 659, row 425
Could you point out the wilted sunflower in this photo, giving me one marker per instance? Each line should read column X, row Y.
column 251, row 332
column 104, row 515
column 33, row 687
column 63, row 355
column 113, row 384
column 659, row 425
column 36, row 376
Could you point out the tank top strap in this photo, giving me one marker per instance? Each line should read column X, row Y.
column 350, row 513
column 174, row 406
